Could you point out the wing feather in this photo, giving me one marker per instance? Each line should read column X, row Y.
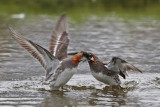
column 128, row 67
column 45, row 58
column 59, row 39
column 121, row 66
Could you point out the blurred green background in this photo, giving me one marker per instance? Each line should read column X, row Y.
column 81, row 8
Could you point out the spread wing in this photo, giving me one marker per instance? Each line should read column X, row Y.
column 128, row 67
column 124, row 67
column 121, row 66
column 46, row 59
column 59, row 39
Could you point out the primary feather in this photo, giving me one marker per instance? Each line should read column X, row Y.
column 46, row 59
column 59, row 39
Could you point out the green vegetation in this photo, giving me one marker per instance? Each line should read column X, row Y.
column 80, row 8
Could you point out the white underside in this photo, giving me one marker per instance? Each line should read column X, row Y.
column 105, row 79
column 63, row 78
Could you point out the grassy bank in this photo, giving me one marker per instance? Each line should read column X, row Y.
column 82, row 8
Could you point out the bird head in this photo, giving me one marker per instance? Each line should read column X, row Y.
column 90, row 57
column 117, row 60
column 80, row 56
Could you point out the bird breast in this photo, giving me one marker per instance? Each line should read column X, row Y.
column 64, row 77
column 105, row 79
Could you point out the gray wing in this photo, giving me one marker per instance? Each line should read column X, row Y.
column 128, row 66
column 117, row 69
column 59, row 40
column 46, row 59
column 53, row 76
column 121, row 66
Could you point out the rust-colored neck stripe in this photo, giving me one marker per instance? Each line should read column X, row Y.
column 94, row 59
column 76, row 59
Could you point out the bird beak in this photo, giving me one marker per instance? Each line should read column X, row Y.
column 84, row 59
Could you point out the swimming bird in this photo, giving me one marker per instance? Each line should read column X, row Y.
column 121, row 66
column 101, row 72
column 59, row 68
column 108, row 73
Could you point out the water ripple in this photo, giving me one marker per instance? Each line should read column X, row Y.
column 136, row 41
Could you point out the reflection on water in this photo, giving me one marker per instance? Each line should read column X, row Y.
column 137, row 41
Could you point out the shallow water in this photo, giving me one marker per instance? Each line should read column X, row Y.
column 137, row 41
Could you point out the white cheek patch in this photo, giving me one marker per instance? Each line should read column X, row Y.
column 92, row 59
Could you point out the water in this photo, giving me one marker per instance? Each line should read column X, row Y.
column 135, row 40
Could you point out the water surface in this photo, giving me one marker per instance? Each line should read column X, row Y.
column 137, row 41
